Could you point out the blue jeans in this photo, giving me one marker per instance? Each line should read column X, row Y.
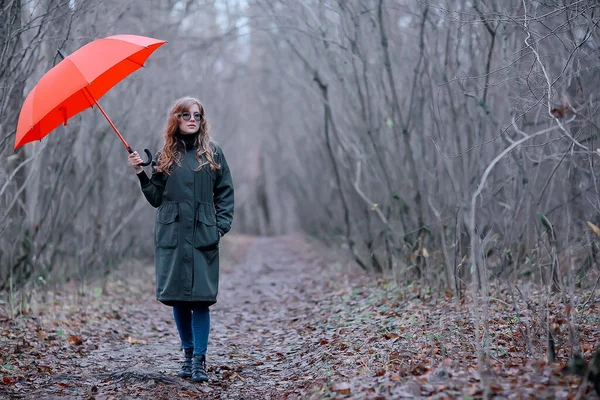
column 193, row 324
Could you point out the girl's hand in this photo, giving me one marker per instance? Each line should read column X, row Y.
column 135, row 160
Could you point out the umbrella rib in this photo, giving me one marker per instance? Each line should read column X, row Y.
column 77, row 69
column 136, row 63
column 86, row 92
column 88, row 95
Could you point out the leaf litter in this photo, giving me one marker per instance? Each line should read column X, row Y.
column 293, row 322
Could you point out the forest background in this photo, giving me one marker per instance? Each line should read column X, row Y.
column 438, row 142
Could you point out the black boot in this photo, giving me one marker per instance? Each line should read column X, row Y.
column 199, row 368
column 186, row 367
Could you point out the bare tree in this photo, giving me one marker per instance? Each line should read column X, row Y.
column 429, row 139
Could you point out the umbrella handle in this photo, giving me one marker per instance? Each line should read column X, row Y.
column 148, row 161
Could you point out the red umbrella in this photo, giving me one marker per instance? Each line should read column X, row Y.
column 78, row 81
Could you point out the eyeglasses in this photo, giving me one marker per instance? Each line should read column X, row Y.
column 187, row 116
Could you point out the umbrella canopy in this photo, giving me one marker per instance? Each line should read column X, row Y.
column 78, row 81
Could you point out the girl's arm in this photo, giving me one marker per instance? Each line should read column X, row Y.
column 153, row 187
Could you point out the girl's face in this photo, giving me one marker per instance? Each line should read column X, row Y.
column 189, row 121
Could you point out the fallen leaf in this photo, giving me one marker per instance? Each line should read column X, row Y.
column 341, row 387
column 496, row 388
column 594, row 228
column 75, row 340
column 9, row 381
column 133, row 341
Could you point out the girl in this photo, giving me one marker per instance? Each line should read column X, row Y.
column 193, row 191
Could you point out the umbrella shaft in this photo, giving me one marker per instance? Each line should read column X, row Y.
column 110, row 122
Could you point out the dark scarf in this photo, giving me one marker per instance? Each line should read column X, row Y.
column 189, row 141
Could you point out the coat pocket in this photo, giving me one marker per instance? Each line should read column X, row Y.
column 167, row 226
column 206, row 234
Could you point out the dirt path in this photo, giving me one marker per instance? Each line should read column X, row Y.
column 292, row 323
column 121, row 343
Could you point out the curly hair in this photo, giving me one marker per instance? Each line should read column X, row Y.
column 170, row 153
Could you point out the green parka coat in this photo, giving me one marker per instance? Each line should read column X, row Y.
column 195, row 208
